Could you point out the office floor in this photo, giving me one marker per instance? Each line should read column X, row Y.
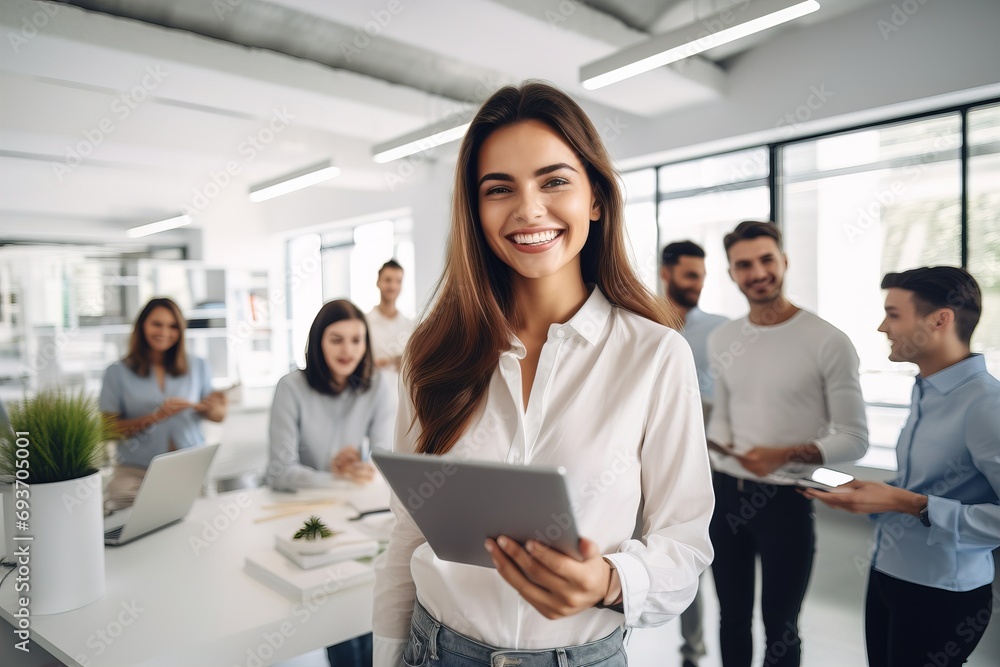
column 831, row 622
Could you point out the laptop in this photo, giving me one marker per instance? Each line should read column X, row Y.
column 168, row 490
column 458, row 504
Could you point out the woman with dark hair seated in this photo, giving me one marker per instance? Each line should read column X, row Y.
column 320, row 417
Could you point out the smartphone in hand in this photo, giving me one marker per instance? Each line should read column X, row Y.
column 824, row 479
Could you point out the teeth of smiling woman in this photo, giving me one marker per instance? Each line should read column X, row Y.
column 535, row 239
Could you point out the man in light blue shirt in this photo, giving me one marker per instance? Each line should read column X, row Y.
column 683, row 274
column 929, row 589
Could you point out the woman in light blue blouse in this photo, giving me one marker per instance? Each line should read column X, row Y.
column 158, row 395
column 320, row 417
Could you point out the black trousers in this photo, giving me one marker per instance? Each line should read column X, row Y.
column 775, row 523
column 355, row 652
column 909, row 625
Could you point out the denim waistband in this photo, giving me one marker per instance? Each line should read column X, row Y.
column 441, row 637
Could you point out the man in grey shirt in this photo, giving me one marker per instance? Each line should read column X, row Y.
column 683, row 274
column 786, row 394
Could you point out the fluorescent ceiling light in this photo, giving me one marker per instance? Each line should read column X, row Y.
column 161, row 226
column 421, row 140
column 726, row 26
column 302, row 178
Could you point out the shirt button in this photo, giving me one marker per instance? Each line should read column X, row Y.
column 561, row 333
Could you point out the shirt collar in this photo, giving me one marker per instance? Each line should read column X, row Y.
column 588, row 322
column 948, row 379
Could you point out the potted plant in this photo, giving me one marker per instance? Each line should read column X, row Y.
column 313, row 537
column 52, row 493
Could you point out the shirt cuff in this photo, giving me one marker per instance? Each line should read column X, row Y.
column 614, row 587
column 387, row 652
column 634, row 579
column 944, row 515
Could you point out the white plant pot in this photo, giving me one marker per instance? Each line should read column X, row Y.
column 66, row 553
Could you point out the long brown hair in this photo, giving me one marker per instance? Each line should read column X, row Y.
column 138, row 357
column 453, row 353
column 318, row 373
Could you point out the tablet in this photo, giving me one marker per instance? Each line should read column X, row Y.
column 459, row 504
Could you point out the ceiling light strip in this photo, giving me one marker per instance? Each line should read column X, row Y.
column 311, row 175
column 721, row 28
column 157, row 227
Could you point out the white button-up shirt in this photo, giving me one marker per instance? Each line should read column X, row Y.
column 615, row 401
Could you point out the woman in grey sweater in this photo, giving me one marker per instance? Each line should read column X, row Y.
column 320, row 416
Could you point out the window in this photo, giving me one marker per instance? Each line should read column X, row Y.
column 861, row 204
column 702, row 201
column 639, row 189
column 853, row 205
column 343, row 263
column 984, row 227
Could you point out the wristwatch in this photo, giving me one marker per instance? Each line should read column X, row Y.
column 925, row 516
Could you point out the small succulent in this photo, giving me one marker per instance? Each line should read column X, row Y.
column 313, row 529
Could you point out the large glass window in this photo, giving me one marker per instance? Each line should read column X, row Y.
column 640, row 223
column 702, row 201
column 343, row 263
column 984, row 227
column 856, row 206
column 853, row 206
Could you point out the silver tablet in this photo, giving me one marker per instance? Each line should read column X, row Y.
column 458, row 504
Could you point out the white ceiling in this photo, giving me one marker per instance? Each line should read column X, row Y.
column 162, row 94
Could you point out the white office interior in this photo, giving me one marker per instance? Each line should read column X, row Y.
column 868, row 129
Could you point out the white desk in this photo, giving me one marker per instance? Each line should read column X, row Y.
column 167, row 605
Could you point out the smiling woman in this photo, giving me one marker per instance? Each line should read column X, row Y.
column 543, row 347
column 158, row 395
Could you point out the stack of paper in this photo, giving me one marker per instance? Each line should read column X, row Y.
column 273, row 569
column 343, row 546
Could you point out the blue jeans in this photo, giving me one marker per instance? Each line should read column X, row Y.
column 435, row 645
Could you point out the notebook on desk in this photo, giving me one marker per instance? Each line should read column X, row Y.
column 169, row 488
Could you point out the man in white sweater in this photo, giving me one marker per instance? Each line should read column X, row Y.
column 786, row 396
